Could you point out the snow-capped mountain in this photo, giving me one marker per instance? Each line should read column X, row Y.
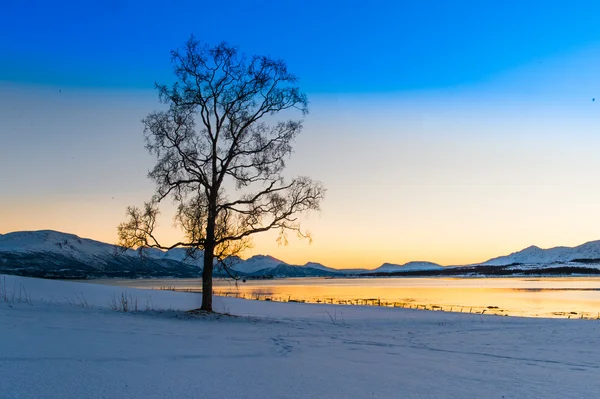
column 285, row 270
column 407, row 267
column 48, row 253
column 195, row 258
column 533, row 255
column 318, row 266
column 268, row 266
column 94, row 253
column 256, row 263
column 49, row 241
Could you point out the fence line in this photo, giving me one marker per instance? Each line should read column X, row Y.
column 492, row 310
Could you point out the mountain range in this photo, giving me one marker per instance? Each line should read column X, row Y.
column 48, row 253
column 586, row 253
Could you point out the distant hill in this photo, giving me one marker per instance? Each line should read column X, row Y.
column 410, row 266
column 48, row 253
column 318, row 266
column 257, row 263
column 53, row 254
column 285, row 270
column 588, row 253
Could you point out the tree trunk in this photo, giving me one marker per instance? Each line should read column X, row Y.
column 207, row 279
column 209, row 255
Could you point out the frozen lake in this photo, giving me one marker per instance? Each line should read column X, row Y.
column 539, row 297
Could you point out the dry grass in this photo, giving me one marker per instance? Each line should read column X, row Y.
column 19, row 295
column 124, row 303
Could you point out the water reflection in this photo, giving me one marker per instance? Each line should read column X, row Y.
column 541, row 297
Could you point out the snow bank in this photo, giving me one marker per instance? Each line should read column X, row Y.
column 54, row 346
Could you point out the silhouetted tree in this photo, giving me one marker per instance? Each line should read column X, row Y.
column 220, row 126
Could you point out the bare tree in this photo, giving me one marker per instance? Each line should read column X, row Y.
column 220, row 129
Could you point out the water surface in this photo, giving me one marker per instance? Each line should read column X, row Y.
column 539, row 297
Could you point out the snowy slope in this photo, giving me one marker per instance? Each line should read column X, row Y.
column 195, row 258
column 407, row 267
column 70, row 245
column 319, row 266
column 536, row 255
column 153, row 253
column 256, row 263
column 84, row 249
column 285, row 270
column 49, row 253
column 67, row 343
column 54, row 254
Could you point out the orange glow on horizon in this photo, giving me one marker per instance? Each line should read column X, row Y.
column 456, row 177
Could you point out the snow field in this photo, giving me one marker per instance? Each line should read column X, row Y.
column 53, row 344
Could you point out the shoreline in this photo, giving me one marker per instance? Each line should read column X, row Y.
column 447, row 294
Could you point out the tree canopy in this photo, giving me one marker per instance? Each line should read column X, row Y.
column 221, row 130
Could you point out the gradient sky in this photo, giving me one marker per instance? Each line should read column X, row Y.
column 444, row 131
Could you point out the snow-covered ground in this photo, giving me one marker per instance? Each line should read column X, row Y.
column 63, row 340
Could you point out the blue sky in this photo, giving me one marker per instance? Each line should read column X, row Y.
column 334, row 46
column 444, row 131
